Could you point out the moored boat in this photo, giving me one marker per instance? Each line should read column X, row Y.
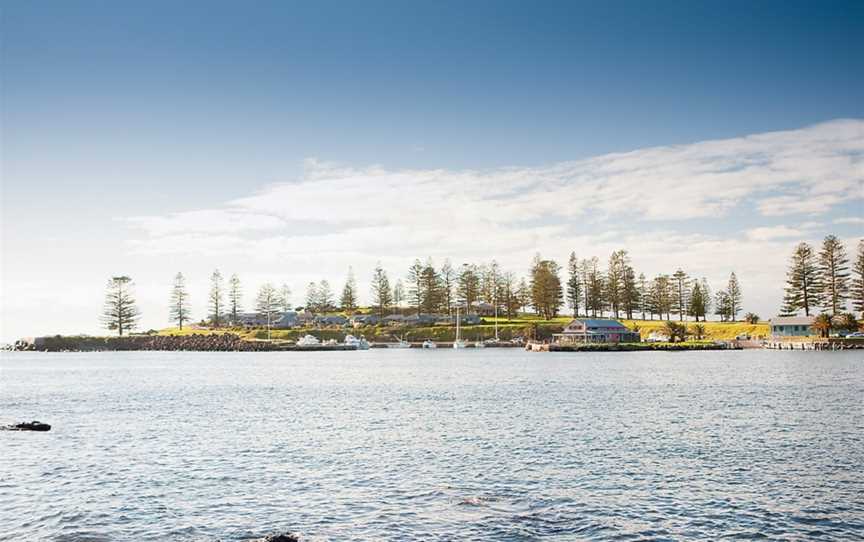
column 459, row 343
column 308, row 340
column 400, row 343
column 360, row 343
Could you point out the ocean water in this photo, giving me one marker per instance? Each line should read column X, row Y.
column 494, row 444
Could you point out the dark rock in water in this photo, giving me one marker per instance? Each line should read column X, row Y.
column 284, row 537
column 28, row 426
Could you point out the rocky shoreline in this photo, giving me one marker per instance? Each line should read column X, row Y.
column 221, row 342
column 214, row 342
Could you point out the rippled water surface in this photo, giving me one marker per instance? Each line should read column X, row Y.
column 496, row 444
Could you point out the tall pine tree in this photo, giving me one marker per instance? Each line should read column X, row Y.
column 697, row 302
column 631, row 296
column 802, row 282
column 834, row 275
column 574, row 285
column 681, row 293
column 179, row 301
column 381, row 294
column 216, row 298
column 284, row 297
column 546, row 291
column 415, row 288
column 430, row 288
column 267, row 305
column 235, row 297
column 468, row 286
column 858, row 280
column 614, row 284
column 348, row 299
column 734, row 295
column 121, row 312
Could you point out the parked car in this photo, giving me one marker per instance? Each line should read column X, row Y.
column 856, row 335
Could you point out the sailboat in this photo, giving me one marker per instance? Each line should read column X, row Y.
column 402, row 343
column 496, row 340
column 458, row 343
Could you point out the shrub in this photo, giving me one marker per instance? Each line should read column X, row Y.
column 675, row 331
column 751, row 318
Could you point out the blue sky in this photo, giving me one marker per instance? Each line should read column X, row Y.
column 117, row 117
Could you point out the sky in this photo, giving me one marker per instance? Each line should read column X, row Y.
column 286, row 141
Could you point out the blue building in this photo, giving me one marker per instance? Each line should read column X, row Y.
column 792, row 326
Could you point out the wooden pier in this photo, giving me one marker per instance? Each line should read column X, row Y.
column 829, row 344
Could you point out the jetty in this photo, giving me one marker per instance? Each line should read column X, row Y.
column 821, row 344
column 631, row 346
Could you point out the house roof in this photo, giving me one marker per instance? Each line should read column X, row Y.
column 599, row 322
column 793, row 321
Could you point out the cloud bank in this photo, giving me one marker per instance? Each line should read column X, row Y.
column 709, row 207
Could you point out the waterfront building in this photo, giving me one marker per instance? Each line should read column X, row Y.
column 596, row 330
column 331, row 320
column 482, row 308
column 792, row 326
column 280, row 320
column 364, row 320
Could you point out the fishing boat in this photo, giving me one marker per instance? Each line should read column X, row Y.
column 459, row 343
column 429, row 343
column 359, row 343
column 308, row 340
column 400, row 343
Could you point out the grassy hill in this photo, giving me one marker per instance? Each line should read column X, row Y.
column 507, row 329
column 715, row 331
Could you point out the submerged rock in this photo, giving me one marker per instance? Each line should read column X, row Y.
column 283, row 537
column 27, row 426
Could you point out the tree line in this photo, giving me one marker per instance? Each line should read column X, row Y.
column 823, row 280
column 589, row 289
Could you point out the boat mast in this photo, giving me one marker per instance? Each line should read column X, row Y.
column 495, row 301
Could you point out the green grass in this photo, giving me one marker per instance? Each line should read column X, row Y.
column 715, row 331
column 177, row 332
column 524, row 325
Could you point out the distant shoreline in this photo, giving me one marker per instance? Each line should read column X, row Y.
column 717, row 336
column 230, row 342
column 508, row 332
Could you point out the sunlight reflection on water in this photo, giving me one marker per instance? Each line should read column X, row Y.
column 496, row 444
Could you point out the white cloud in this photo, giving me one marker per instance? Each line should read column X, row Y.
column 337, row 215
column 212, row 221
column 849, row 220
column 674, row 206
column 805, row 171
column 773, row 232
